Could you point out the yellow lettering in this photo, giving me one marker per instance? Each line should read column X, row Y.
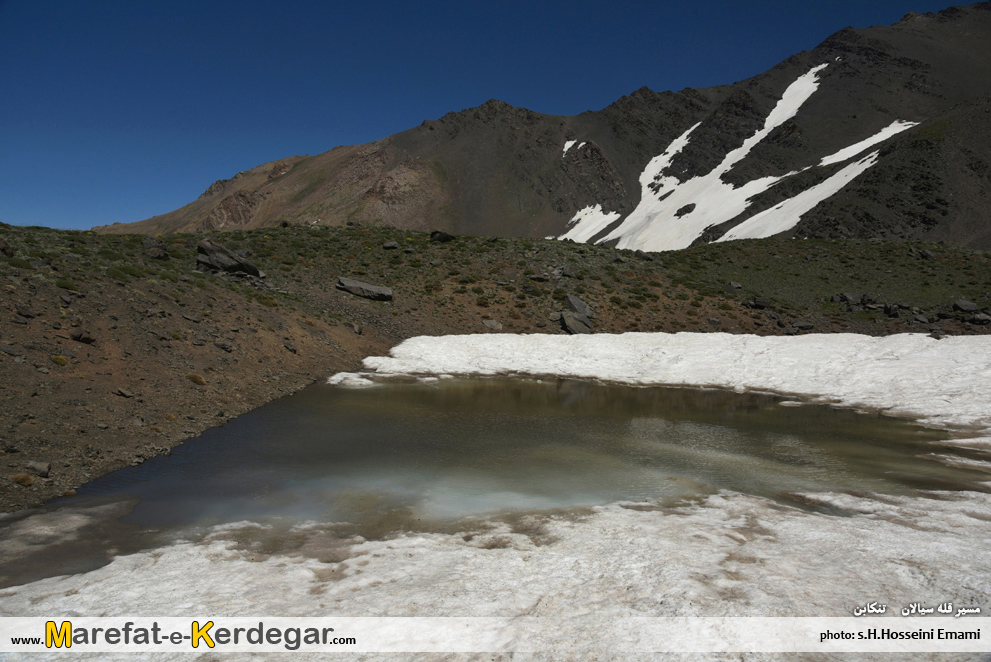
column 202, row 633
column 58, row 636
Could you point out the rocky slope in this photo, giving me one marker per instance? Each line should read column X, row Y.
column 901, row 113
column 114, row 348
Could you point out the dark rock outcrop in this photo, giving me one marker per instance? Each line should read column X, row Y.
column 365, row 290
column 214, row 257
column 575, row 323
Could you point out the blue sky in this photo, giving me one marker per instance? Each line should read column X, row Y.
column 120, row 110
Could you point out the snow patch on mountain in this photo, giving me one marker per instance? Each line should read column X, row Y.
column 892, row 129
column 673, row 214
column 589, row 222
column 785, row 216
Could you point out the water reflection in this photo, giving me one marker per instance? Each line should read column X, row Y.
column 423, row 456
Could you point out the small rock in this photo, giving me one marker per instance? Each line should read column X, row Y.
column 539, row 278
column 643, row 256
column 83, row 336
column 124, row 393
column 192, row 318
column 921, row 319
column 354, row 327
column 927, row 254
column 979, row 318
column 391, row 245
column 492, row 324
column 762, row 302
column 154, row 312
column 291, row 348
column 224, row 346
column 554, row 317
column 440, row 236
column 409, row 251
column 802, row 326
column 11, row 351
column 66, row 299
column 732, row 286
column 39, row 468
column 24, row 312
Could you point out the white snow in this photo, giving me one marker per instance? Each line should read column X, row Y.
column 892, row 129
column 567, row 146
column 786, row 215
column 654, row 224
column 731, row 554
column 588, row 222
column 901, row 374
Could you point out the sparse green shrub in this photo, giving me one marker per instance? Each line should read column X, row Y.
column 19, row 263
column 117, row 274
column 58, row 359
column 65, row 284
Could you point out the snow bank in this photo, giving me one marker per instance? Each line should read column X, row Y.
column 729, row 555
column 941, row 381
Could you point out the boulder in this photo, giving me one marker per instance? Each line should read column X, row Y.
column 492, row 324
column 40, row 468
column 213, row 257
column 575, row 323
column 965, row 306
column 6, row 249
column 365, row 290
column 578, row 306
column 391, row 245
column 760, row 303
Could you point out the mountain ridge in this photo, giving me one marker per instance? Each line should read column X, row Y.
column 501, row 170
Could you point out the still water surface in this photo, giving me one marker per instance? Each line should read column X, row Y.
column 421, row 456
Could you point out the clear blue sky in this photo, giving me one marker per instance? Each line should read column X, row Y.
column 120, row 110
